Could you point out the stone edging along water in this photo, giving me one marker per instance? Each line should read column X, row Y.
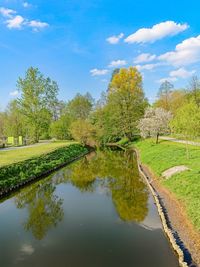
column 11, row 189
column 162, row 214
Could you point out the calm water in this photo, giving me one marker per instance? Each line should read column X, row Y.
column 94, row 213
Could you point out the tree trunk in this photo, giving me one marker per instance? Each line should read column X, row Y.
column 157, row 137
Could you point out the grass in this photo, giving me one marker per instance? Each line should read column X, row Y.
column 17, row 155
column 185, row 185
column 21, row 172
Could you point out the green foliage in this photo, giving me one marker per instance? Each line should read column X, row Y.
column 60, row 129
column 187, row 121
column 80, row 107
column 185, row 185
column 124, row 106
column 12, row 175
column 12, row 156
column 83, row 132
column 38, row 98
column 14, row 120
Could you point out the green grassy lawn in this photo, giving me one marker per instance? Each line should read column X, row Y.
column 185, row 185
column 12, row 156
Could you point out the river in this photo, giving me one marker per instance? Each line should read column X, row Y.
column 96, row 212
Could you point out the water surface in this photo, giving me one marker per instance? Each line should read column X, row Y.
column 96, row 212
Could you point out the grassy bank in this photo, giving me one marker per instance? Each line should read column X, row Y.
column 17, row 173
column 20, row 154
column 185, row 185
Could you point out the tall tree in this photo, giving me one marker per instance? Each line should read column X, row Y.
column 194, row 90
column 80, row 106
column 175, row 100
column 38, row 96
column 115, row 71
column 126, row 100
column 14, row 120
column 164, row 94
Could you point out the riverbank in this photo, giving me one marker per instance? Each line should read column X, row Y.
column 23, row 153
column 180, row 192
column 15, row 175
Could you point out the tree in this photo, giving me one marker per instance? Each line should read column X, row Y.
column 126, row 101
column 60, row 129
column 155, row 122
column 83, row 132
column 187, row 122
column 175, row 100
column 14, row 120
column 2, row 124
column 115, row 71
column 38, row 96
column 194, row 90
column 80, row 106
column 164, row 94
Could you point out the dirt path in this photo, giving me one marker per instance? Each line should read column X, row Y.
column 179, row 141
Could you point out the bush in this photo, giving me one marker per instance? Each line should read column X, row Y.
column 14, row 174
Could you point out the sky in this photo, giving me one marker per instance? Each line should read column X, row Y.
column 78, row 43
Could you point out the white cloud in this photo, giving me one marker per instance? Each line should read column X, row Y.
column 185, row 53
column 145, row 57
column 157, row 32
column 35, row 24
column 115, row 38
column 15, row 22
column 117, row 63
column 181, row 73
column 6, row 12
column 98, row 72
column 14, row 93
column 169, row 79
column 175, row 74
column 147, row 66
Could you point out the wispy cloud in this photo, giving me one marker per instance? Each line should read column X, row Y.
column 6, row 12
column 98, row 72
column 16, row 21
column 182, row 73
column 145, row 57
column 174, row 75
column 115, row 38
column 147, row 66
column 169, row 79
column 157, row 32
column 35, row 24
column 117, row 63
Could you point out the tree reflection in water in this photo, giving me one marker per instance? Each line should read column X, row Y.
column 118, row 171
column 44, row 208
column 115, row 171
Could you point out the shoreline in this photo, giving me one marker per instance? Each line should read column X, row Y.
column 177, row 227
column 14, row 188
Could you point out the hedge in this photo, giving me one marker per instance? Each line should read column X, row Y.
column 11, row 176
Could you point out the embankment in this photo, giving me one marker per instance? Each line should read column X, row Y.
column 178, row 194
column 19, row 174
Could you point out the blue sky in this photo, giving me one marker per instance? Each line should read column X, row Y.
column 78, row 43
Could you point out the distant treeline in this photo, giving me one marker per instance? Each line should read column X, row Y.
column 39, row 114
